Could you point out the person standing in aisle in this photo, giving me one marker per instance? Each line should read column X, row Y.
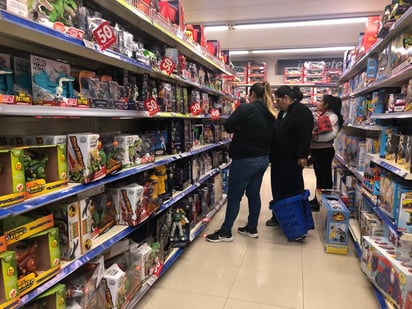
column 290, row 145
column 328, row 122
column 252, row 127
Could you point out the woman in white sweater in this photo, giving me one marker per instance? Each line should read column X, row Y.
column 328, row 122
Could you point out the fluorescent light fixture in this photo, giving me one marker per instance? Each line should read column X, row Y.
column 302, row 50
column 238, row 52
column 304, row 23
column 216, row 28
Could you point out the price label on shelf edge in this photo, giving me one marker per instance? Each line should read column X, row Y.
column 195, row 108
column 167, row 65
column 151, row 106
column 214, row 113
column 104, row 35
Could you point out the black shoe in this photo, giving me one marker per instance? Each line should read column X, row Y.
column 218, row 236
column 248, row 232
column 299, row 238
column 272, row 222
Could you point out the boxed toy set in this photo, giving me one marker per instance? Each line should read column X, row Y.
column 13, row 185
column 54, row 298
column 334, row 224
column 8, row 280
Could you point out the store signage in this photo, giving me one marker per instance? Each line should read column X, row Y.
column 167, row 65
column 330, row 63
column 104, row 35
column 214, row 113
column 195, row 108
column 150, row 105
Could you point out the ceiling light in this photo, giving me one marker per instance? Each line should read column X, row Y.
column 216, row 28
column 307, row 23
column 302, row 50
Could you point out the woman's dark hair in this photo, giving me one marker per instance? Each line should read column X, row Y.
column 335, row 105
column 292, row 92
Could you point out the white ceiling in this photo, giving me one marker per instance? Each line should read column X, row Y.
column 223, row 12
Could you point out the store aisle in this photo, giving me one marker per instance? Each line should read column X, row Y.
column 264, row 273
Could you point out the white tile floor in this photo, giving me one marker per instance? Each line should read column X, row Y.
column 264, row 273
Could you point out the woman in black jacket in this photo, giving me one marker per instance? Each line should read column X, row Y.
column 290, row 145
column 252, row 128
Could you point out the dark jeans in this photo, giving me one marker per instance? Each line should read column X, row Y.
column 322, row 165
column 245, row 175
column 286, row 179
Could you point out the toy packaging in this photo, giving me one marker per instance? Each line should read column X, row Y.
column 334, row 224
column 127, row 149
column 85, row 158
column 51, row 82
column 180, row 225
column 116, row 284
column 102, row 208
column 132, row 209
column 54, row 298
column 388, row 270
column 108, row 154
column 22, row 81
column 403, row 217
column 38, row 259
column 45, row 169
column 12, row 188
column 85, row 225
column 8, row 278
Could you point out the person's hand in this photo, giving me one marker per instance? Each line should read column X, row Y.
column 302, row 162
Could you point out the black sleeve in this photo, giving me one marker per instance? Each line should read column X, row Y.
column 305, row 128
column 235, row 120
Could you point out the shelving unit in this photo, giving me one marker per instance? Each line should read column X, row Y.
column 25, row 36
column 396, row 79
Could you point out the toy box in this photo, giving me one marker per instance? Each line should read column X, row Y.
column 127, row 149
column 102, row 208
column 132, row 209
column 334, row 222
column 388, row 190
column 85, row 226
column 22, row 81
column 51, row 82
column 45, row 169
column 85, row 158
column 389, row 272
column 54, row 298
column 403, row 217
column 67, row 219
column 116, row 283
column 8, row 278
column 141, row 258
column 370, row 225
column 17, row 228
column 38, row 259
column 12, row 182
column 108, row 146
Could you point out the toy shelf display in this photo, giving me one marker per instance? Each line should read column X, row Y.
column 373, row 153
column 95, row 216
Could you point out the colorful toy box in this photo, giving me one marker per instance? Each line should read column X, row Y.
column 389, row 272
column 12, row 182
column 85, row 226
column 103, row 212
column 132, row 209
column 403, row 217
column 38, row 259
column 8, row 279
column 334, row 223
column 127, row 149
column 45, row 169
column 84, row 158
column 54, row 298
column 116, row 283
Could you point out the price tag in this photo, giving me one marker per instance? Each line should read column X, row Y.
column 195, row 108
column 6, row 99
column 214, row 113
column 151, row 106
column 104, row 35
column 167, row 65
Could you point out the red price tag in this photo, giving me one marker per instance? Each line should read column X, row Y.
column 151, row 106
column 195, row 108
column 104, row 35
column 214, row 113
column 167, row 65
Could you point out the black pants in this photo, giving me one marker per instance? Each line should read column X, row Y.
column 322, row 164
column 286, row 179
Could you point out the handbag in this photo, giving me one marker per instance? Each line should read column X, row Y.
column 323, row 125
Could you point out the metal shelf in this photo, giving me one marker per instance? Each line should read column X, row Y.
column 365, row 127
column 402, row 24
column 390, row 166
column 354, row 171
column 399, row 115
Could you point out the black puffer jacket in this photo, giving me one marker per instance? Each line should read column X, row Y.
column 292, row 135
column 252, row 125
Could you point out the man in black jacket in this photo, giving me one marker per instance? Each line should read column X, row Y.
column 290, row 145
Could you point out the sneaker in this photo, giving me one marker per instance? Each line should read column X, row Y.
column 299, row 238
column 272, row 222
column 246, row 231
column 219, row 237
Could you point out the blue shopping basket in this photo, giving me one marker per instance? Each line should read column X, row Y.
column 294, row 215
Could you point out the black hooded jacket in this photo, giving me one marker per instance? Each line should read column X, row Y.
column 292, row 135
column 252, row 125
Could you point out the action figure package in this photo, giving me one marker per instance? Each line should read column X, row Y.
column 102, row 208
column 180, row 225
column 108, row 154
column 53, row 298
column 12, row 189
